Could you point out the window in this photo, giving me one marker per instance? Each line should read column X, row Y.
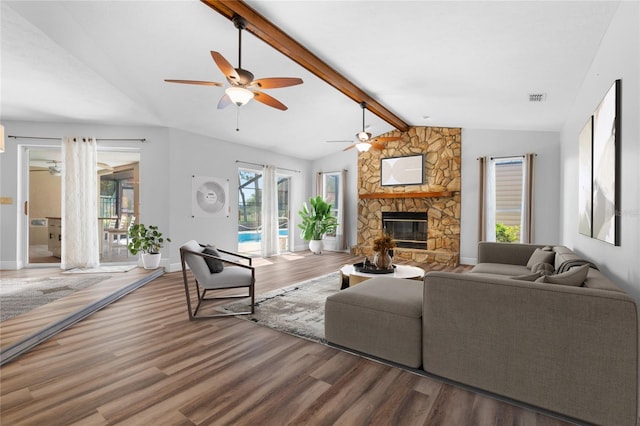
column 508, row 199
column 506, row 194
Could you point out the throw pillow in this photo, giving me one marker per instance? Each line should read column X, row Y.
column 527, row 277
column 543, row 268
column 541, row 256
column 573, row 277
column 215, row 265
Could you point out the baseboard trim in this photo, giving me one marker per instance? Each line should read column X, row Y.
column 16, row 349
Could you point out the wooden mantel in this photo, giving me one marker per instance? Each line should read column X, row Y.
column 406, row 195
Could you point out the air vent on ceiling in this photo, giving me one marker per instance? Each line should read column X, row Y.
column 537, row 97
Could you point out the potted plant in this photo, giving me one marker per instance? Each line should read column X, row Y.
column 148, row 241
column 317, row 220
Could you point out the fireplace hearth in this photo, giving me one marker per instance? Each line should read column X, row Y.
column 408, row 229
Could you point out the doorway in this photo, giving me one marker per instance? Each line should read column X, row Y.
column 250, row 207
column 43, row 236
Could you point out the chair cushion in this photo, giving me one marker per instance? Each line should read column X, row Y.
column 196, row 263
column 232, row 276
column 215, row 265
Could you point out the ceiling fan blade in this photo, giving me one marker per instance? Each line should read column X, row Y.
column 377, row 146
column 387, row 139
column 275, row 82
column 201, row 83
column 104, row 166
column 224, row 101
column 349, row 147
column 227, row 69
column 269, row 100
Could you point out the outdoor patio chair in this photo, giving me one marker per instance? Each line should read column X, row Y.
column 215, row 269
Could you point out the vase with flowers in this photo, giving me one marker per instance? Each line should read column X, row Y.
column 381, row 247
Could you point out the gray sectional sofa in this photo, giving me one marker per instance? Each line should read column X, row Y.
column 565, row 346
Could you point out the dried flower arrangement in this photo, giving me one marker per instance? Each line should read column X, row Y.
column 383, row 243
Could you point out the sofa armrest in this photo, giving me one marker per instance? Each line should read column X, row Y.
column 511, row 253
column 571, row 350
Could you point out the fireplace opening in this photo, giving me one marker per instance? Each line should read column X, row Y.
column 408, row 229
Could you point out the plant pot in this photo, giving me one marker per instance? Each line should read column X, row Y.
column 316, row 246
column 150, row 260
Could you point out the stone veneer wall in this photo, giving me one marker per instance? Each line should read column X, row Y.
column 442, row 154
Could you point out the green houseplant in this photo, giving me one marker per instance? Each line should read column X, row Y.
column 317, row 220
column 148, row 241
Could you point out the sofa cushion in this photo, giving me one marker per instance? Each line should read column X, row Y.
column 501, row 269
column 527, row 277
column 543, row 268
column 573, row 277
column 381, row 316
column 541, row 256
column 215, row 265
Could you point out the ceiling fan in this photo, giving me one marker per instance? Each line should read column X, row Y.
column 52, row 167
column 242, row 83
column 364, row 138
column 55, row 167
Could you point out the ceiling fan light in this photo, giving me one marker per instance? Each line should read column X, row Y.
column 363, row 146
column 363, row 136
column 239, row 95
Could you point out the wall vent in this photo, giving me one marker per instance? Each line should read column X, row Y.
column 537, row 97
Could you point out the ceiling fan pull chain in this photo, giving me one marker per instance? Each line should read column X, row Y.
column 237, row 118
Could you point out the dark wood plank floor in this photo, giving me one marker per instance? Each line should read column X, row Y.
column 140, row 361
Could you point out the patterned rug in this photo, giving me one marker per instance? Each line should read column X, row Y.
column 21, row 295
column 297, row 309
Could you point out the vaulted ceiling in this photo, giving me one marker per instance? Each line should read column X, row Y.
column 459, row 64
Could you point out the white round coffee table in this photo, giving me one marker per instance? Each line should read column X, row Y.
column 349, row 273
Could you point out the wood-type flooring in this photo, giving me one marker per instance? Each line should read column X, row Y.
column 140, row 361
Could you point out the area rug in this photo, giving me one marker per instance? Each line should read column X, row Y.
column 20, row 295
column 297, row 309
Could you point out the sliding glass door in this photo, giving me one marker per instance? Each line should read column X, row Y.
column 250, row 211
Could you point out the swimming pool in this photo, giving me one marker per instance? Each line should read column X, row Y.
column 254, row 236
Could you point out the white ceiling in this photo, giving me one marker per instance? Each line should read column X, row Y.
column 462, row 63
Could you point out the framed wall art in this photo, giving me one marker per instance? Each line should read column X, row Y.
column 407, row 170
column 599, row 170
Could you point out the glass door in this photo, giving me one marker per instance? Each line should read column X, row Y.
column 331, row 188
column 249, row 211
column 250, row 235
column 284, row 212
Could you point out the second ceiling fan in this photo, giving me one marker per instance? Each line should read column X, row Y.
column 364, row 138
column 242, row 83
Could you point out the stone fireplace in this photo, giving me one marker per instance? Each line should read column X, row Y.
column 437, row 200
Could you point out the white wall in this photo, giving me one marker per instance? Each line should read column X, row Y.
column 167, row 162
column 197, row 155
column 617, row 58
column 501, row 143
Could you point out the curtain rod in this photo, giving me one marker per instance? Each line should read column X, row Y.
column 334, row 171
column 262, row 165
column 507, row 156
column 57, row 139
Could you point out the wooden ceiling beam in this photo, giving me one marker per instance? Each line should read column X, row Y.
column 279, row 40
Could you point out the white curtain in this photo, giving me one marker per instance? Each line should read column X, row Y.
column 528, row 178
column 269, row 245
column 80, row 240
